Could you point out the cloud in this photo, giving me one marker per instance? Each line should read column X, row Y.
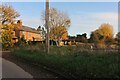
column 91, row 21
column 106, row 16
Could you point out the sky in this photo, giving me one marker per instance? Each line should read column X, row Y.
column 85, row 16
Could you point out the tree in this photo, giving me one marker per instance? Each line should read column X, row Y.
column 118, row 38
column 39, row 28
column 7, row 18
column 58, row 18
column 59, row 22
column 7, row 35
column 105, row 30
column 42, row 31
column 109, row 41
column 102, row 34
column 7, row 14
column 58, row 33
column 94, row 38
column 84, row 38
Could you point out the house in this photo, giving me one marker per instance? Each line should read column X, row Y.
column 30, row 34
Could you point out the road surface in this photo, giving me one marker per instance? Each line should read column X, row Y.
column 11, row 70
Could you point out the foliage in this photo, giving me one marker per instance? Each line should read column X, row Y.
column 102, row 35
column 94, row 38
column 7, row 14
column 7, row 18
column 59, row 22
column 7, row 35
column 21, row 42
column 58, row 18
column 84, row 38
column 118, row 38
column 58, row 33
column 118, row 35
column 42, row 31
column 109, row 41
column 105, row 30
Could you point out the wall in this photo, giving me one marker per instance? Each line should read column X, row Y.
column 29, row 36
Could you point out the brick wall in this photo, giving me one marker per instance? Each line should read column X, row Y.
column 30, row 36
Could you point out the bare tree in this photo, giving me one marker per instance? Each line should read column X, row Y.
column 57, row 20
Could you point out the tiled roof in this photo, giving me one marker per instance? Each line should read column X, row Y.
column 26, row 28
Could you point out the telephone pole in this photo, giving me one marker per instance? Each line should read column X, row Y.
column 47, row 25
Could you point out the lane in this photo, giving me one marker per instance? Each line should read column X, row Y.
column 0, row 67
column 35, row 70
column 0, row 61
column 11, row 70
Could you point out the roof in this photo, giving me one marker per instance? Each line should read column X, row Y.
column 29, row 29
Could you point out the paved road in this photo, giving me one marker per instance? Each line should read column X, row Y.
column 35, row 71
column 11, row 70
column 0, row 68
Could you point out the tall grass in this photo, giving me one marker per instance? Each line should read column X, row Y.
column 69, row 60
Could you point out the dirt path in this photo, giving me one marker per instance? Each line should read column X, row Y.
column 35, row 71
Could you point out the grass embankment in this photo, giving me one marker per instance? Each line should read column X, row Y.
column 67, row 60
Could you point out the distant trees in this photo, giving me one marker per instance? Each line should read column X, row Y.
column 104, row 34
column 59, row 22
column 95, row 38
column 118, row 38
column 82, row 38
column 105, row 30
column 7, row 18
column 42, row 32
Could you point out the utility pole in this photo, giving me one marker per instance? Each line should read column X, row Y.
column 47, row 25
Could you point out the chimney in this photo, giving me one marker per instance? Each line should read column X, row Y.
column 19, row 23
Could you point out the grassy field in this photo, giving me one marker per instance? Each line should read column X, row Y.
column 70, row 60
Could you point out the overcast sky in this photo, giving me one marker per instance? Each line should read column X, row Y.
column 85, row 16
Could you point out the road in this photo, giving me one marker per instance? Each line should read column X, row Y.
column 11, row 70
column 24, row 67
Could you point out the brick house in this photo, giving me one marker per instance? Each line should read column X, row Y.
column 30, row 34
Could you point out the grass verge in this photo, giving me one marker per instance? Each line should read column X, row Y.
column 77, row 64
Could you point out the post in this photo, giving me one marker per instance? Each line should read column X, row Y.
column 47, row 25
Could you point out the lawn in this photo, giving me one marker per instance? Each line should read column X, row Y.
column 70, row 61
